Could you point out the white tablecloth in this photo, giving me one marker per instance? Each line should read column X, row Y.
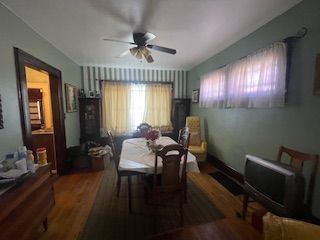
column 135, row 156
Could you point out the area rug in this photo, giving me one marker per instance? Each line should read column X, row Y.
column 229, row 184
column 110, row 218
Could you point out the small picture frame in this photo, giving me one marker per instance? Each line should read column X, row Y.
column 316, row 85
column 195, row 96
column 91, row 94
column 97, row 94
column 82, row 93
column 71, row 98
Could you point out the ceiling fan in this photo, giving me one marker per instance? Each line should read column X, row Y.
column 141, row 48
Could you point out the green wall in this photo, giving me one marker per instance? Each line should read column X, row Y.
column 15, row 33
column 232, row 133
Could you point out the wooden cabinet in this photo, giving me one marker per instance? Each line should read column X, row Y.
column 25, row 206
column 89, row 119
column 180, row 110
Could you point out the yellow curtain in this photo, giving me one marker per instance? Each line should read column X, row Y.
column 158, row 105
column 115, row 107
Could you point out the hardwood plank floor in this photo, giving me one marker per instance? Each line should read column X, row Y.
column 225, row 201
column 75, row 194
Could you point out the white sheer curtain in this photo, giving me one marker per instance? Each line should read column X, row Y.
column 213, row 89
column 158, row 106
column 257, row 80
column 126, row 105
column 115, row 107
column 137, row 105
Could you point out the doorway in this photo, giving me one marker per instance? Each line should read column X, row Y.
column 41, row 107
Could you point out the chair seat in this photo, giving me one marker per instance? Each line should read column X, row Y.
column 129, row 173
column 196, row 149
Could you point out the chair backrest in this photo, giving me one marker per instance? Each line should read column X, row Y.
column 112, row 144
column 193, row 123
column 297, row 160
column 173, row 172
column 143, row 128
column 184, row 137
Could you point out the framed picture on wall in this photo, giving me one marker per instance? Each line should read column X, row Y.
column 1, row 117
column 71, row 98
column 316, row 86
column 195, row 96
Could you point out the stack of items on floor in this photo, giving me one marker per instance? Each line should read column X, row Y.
column 99, row 156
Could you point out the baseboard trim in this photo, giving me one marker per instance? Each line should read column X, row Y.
column 222, row 166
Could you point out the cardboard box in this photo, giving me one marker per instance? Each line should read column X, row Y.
column 99, row 163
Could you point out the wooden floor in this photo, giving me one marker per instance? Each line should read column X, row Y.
column 75, row 194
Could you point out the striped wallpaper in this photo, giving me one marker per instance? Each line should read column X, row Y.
column 91, row 76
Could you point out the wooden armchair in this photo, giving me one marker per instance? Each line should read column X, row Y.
column 196, row 146
column 171, row 182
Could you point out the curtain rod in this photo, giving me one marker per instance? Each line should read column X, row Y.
column 134, row 82
column 300, row 34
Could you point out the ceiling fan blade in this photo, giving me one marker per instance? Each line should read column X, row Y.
column 162, row 49
column 148, row 36
column 141, row 38
column 119, row 41
column 124, row 54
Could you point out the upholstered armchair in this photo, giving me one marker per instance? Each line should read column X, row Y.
column 197, row 146
column 280, row 228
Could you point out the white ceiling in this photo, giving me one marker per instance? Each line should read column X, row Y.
column 197, row 29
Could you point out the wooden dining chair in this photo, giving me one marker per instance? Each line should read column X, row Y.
column 142, row 129
column 184, row 137
column 170, row 183
column 297, row 160
column 121, row 173
column 183, row 140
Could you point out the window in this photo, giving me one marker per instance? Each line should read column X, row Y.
column 126, row 105
column 257, row 80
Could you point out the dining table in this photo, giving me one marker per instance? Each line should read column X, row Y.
column 137, row 157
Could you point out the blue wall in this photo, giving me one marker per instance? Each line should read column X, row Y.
column 15, row 33
column 232, row 133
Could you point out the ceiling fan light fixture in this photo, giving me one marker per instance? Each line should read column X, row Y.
column 139, row 54
column 145, row 51
column 133, row 51
column 142, row 46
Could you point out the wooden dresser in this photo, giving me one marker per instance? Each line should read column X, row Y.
column 26, row 206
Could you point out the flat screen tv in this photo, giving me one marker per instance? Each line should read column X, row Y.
column 277, row 186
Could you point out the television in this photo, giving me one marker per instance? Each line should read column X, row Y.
column 277, row 186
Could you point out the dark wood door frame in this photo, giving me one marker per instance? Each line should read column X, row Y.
column 23, row 59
